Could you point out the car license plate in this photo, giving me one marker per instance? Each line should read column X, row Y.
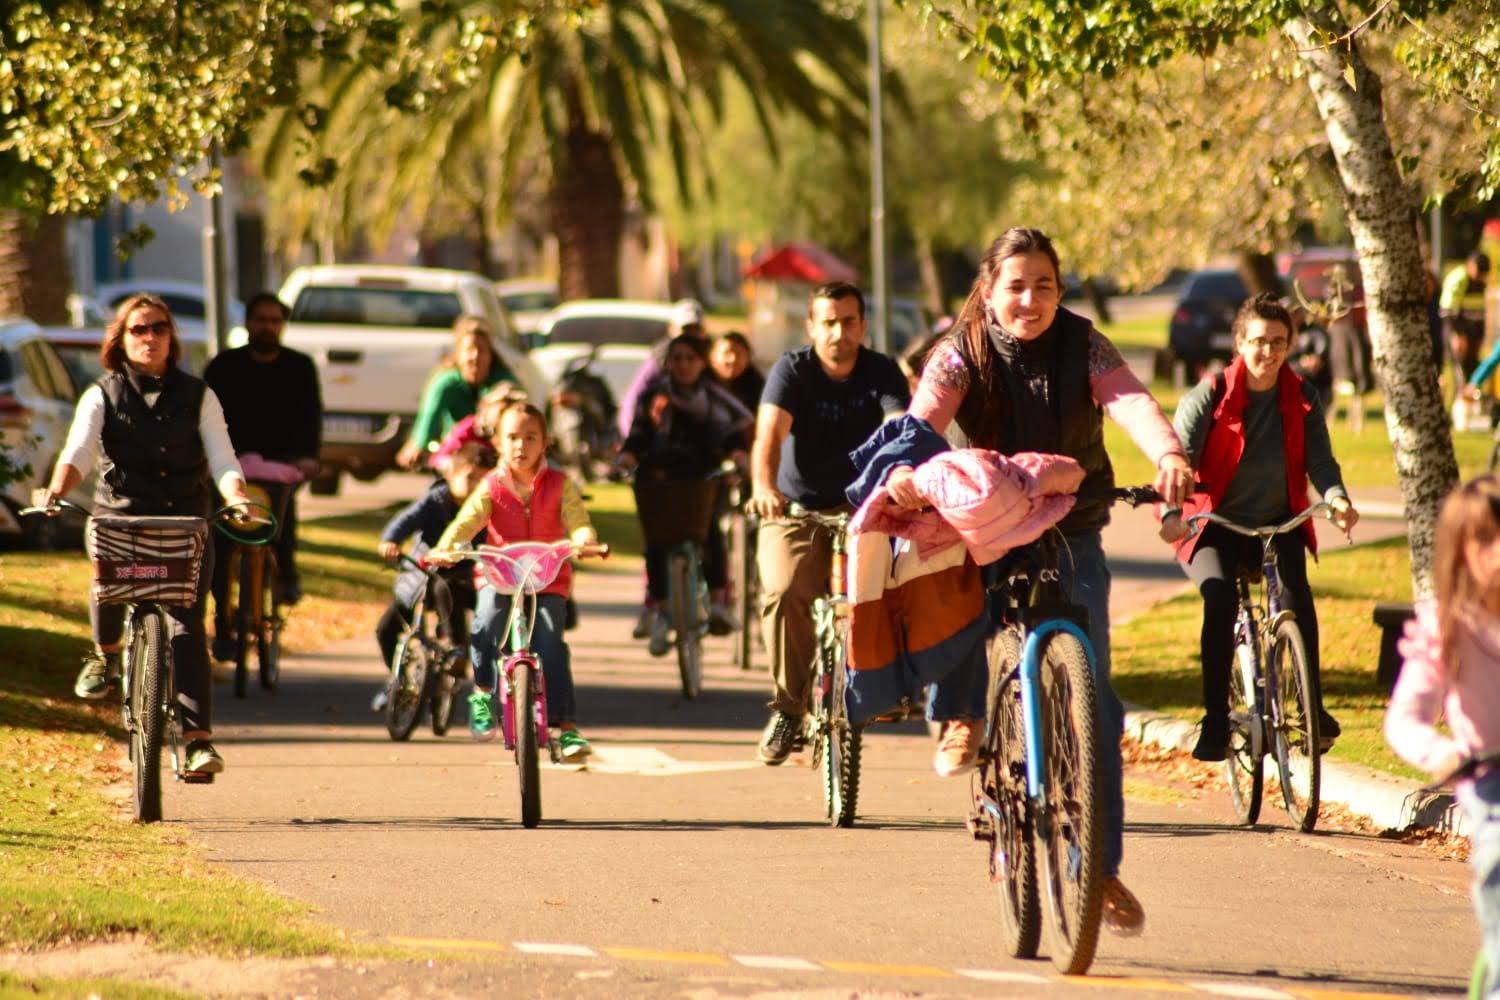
column 347, row 427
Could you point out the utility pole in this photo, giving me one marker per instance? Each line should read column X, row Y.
column 879, row 293
column 215, row 272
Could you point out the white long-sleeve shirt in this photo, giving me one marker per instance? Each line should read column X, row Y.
column 85, row 436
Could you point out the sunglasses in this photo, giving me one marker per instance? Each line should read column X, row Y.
column 161, row 328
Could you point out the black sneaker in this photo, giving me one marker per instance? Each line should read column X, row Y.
column 223, row 648
column 1213, row 738
column 1328, row 730
column 290, row 592
column 780, row 738
column 202, row 758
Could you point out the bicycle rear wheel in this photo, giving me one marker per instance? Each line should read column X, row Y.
column 1070, row 834
column 1296, row 726
column 1001, row 779
column 268, row 636
column 682, row 591
column 444, row 686
column 1243, row 765
column 244, row 618
column 409, row 681
column 841, row 741
column 523, row 685
column 742, row 569
column 148, row 708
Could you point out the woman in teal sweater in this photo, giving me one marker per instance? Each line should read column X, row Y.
column 454, row 392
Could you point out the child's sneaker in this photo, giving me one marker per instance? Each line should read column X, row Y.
column 574, row 746
column 661, row 635
column 643, row 623
column 482, row 715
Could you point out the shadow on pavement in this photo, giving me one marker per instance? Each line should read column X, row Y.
column 1375, row 982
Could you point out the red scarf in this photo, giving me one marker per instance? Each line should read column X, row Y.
column 1226, row 444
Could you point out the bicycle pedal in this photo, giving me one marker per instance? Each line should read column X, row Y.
column 196, row 778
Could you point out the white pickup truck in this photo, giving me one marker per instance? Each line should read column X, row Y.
column 376, row 334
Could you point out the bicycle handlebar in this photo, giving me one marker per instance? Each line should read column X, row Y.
column 55, row 508
column 1467, row 768
column 796, row 512
column 1194, row 523
column 60, row 505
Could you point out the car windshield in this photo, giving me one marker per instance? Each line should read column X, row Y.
column 377, row 307
column 529, row 301
column 82, row 361
column 607, row 330
column 1221, row 285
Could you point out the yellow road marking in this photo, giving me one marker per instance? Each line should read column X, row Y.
column 1339, row 994
column 653, row 955
column 877, row 969
column 456, row 944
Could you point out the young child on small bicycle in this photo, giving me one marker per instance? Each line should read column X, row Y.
column 1450, row 669
column 685, row 424
column 523, row 499
column 425, row 520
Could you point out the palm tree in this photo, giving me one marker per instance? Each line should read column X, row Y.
column 591, row 94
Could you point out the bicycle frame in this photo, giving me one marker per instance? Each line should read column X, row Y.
column 1031, row 700
column 518, row 629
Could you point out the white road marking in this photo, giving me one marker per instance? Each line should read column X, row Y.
column 652, row 762
column 543, row 948
column 777, row 962
column 1000, row 976
column 1241, row 990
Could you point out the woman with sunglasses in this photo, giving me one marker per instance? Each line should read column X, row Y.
column 158, row 435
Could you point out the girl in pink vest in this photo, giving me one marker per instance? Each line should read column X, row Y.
column 523, row 499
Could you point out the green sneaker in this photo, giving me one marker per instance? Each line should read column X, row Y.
column 574, row 746
column 482, row 715
column 202, row 758
column 100, row 673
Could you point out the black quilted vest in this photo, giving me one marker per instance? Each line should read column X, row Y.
column 153, row 457
column 1038, row 398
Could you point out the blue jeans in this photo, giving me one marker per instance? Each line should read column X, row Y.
column 487, row 636
column 1481, row 805
column 960, row 695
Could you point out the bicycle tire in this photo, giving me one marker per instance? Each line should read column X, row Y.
column 841, row 749
column 682, row 597
column 148, row 708
column 527, row 764
column 742, row 565
column 409, row 679
column 268, row 636
column 1244, row 768
column 444, row 688
column 242, row 624
column 1002, row 777
column 1296, row 735
column 1494, row 455
column 1070, row 838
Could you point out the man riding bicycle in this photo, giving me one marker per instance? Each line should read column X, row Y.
column 273, row 408
column 820, row 403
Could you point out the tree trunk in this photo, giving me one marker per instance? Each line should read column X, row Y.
column 34, row 271
column 932, row 277
column 1095, row 293
column 1382, row 219
column 587, row 205
column 1258, row 272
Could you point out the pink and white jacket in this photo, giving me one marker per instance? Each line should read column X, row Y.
column 1469, row 697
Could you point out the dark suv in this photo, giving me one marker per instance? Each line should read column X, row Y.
column 1199, row 330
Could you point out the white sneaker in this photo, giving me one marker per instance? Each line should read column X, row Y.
column 661, row 631
column 378, row 703
column 643, row 623
column 721, row 620
column 959, row 748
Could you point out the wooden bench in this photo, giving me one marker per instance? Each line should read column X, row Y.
column 1392, row 617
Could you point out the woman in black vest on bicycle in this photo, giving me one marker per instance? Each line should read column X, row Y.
column 1021, row 374
column 158, row 434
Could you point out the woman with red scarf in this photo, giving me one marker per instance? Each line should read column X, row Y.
column 1255, row 425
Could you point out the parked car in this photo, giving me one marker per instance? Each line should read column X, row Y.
column 1198, row 332
column 1312, row 271
column 37, row 399
column 620, row 333
column 79, row 349
column 188, row 300
column 528, row 300
column 377, row 333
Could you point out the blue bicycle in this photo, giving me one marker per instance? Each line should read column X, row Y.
column 1036, row 787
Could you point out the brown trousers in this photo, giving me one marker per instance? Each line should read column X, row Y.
column 793, row 559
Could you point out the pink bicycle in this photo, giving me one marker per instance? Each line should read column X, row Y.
column 524, row 569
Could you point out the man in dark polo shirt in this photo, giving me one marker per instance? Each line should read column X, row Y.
column 819, row 404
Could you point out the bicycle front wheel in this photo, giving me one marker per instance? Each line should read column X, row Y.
column 1001, row 791
column 403, row 707
column 682, row 589
column 244, row 619
column 444, row 687
column 1296, row 731
column 148, row 709
column 523, row 688
column 1070, row 833
column 268, row 636
column 1243, row 765
column 742, row 568
column 841, row 741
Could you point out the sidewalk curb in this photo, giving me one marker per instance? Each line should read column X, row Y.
column 1389, row 802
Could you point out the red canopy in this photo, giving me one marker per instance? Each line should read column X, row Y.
column 801, row 262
